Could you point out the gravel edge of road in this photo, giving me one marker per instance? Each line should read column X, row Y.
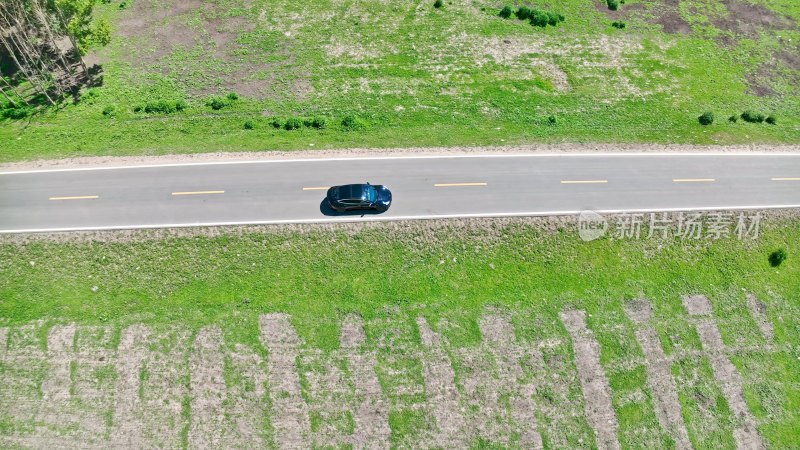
column 547, row 224
column 564, row 148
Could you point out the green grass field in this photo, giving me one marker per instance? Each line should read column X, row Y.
column 453, row 275
column 418, row 76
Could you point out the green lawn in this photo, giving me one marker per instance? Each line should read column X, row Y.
column 414, row 75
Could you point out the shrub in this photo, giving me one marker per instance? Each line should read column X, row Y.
column 161, row 106
column 506, row 12
column 276, row 123
column 777, row 257
column 138, row 108
column 523, row 13
column 233, row 96
column 293, row 124
column 707, row 118
column 217, row 103
column 316, row 122
column 20, row 112
column 438, row 4
column 539, row 18
column 180, row 105
column 752, row 116
column 612, row 4
column 618, row 24
column 733, row 119
column 772, row 120
column 351, row 122
column 551, row 120
column 249, row 125
column 109, row 110
column 552, row 18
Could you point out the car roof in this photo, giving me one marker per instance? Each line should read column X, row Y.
column 353, row 191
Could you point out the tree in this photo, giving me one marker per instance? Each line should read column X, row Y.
column 29, row 33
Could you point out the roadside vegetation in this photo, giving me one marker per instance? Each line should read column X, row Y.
column 405, row 74
column 453, row 274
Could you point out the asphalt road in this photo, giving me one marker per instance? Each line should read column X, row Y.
column 292, row 191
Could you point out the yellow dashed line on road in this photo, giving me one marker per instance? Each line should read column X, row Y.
column 459, row 184
column 319, row 188
column 79, row 197
column 786, row 179
column 198, row 192
column 693, row 180
column 583, row 181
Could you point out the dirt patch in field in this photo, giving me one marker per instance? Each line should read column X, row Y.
column 728, row 379
column 372, row 414
column 659, row 373
column 562, row 148
column 758, row 309
column 499, row 336
column 698, row 305
column 745, row 19
column 289, row 410
column 208, row 389
column 60, row 352
column 668, row 15
column 441, row 389
column 622, row 13
column 152, row 33
column 596, row 388
column 640, row 310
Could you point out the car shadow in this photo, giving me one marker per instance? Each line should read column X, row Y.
column 326, row 209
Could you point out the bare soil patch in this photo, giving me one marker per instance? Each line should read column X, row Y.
column 441, row 388
column 596, row 390
column 744, row 19
column 208, row 389
column 498, row 332
column 128, row 428
column 152, row 31
column 668, row 15
column 758, row 309
column 698, row 305
column 659, row 373
column 372, row 416
column 60, row 352
column 726, row 376
column 289, row 410
column 565, row 148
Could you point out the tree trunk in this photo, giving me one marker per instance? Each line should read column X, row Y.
column 12, row 89
column 40, row 14
column 10, row 100
column 31, row 77
column 74, row 44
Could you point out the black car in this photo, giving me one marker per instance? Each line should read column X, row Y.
column 351, row 197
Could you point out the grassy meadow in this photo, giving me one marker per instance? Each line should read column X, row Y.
column 410, row 74
column 452, row 274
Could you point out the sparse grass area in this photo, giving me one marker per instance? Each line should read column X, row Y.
column 390, row 274
column 415, row 75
